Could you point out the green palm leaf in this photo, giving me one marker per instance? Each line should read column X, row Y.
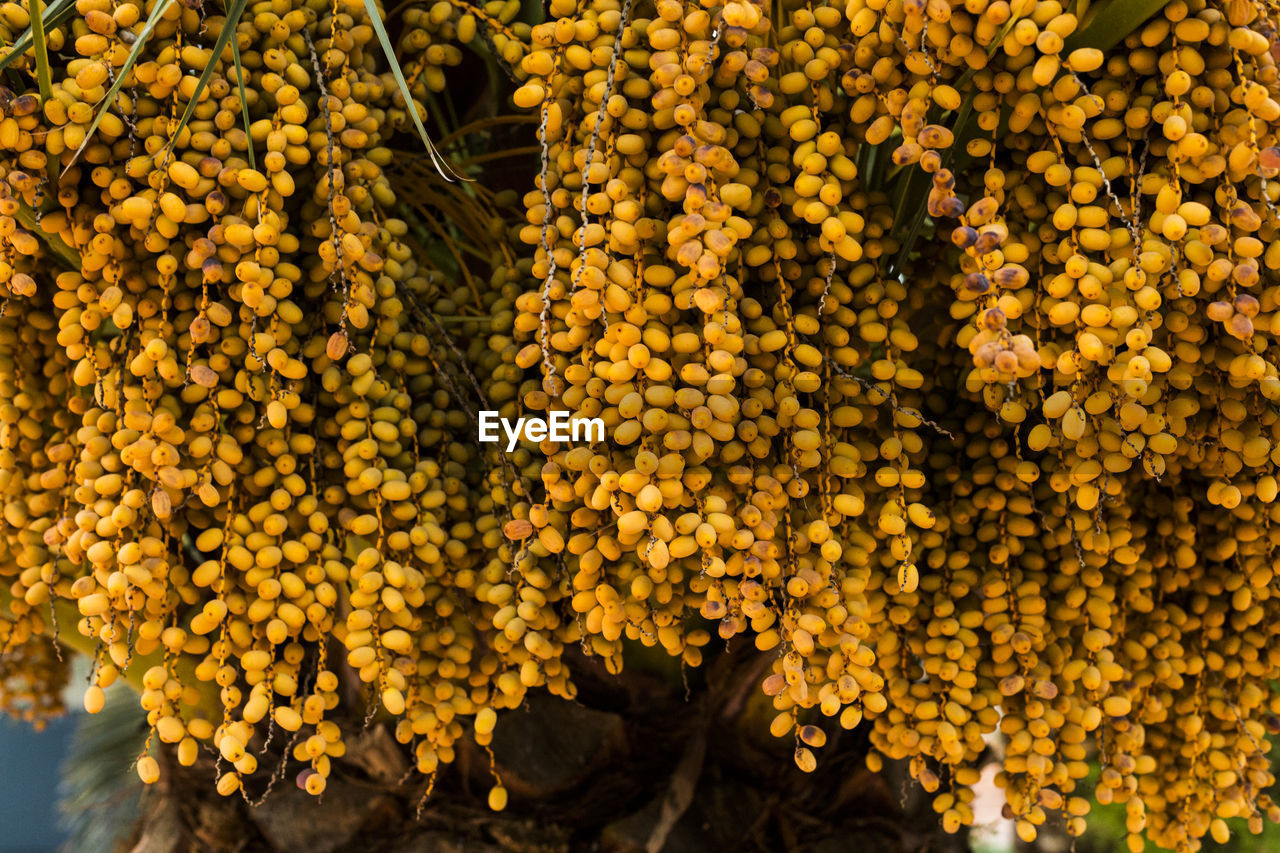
column 43, row 77
column 1106, row 26
column 244, row 99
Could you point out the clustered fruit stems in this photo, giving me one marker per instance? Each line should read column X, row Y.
column 934, row 347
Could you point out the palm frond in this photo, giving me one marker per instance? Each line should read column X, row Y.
column 99, row 790
column 43, row 76
column 244, row 98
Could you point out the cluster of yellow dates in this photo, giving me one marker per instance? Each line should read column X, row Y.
column 934, row 348
column 935, row 352
column 230, row 435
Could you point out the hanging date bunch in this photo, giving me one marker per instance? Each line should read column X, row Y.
column 233, row 431
column 934, row 345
